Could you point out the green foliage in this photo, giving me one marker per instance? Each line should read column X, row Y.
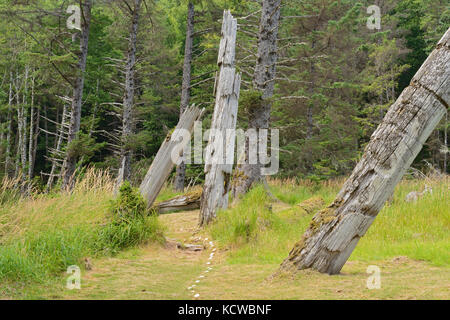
column 131, row 222
column 250, row 101
column 340, row 77
column 117, row 236
column 128, row 205
column 57, row 240
column 84, row 145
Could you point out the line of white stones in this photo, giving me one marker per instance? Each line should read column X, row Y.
column 208, row 269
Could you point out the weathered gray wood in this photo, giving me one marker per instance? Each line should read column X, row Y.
column 336, row 230
column 186, row 86
column 190, row 247
column 165, row 159
column 185, row 202
column 248, row 173
column 218, row 171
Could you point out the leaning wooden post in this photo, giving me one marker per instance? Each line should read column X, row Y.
column 169, row 154
column 335, row 231
column 217, row 168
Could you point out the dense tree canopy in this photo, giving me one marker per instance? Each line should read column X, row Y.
column 335, row 80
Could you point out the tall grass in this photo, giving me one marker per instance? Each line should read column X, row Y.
column 418, row 230
column 42, row 235
column 13, row 189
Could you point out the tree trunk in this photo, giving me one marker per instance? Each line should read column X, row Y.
column 128, row 99
column 311, row 87
column 24, row 142
column 10, row 129
column 57, row 150
column 168, row 155
column 34, row 131
column 46, row 128
column 218, row 170
column 185, row 90
column 335, row 231
column 185, row 202
column 263, row 80
column 75, row 118
column 19, row 128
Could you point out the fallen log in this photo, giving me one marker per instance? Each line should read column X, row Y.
column 185, row 202
column 168, row 155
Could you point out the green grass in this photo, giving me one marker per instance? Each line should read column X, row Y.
column 420, row 230
column 42, row 236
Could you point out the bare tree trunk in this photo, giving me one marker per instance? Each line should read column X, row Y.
column 10, row 128
column 34, row 131
column 263, row 80
column 309, row 110
column 75, row 118
column 19, row 127
column 46, row 128
column 218, row 168
column 185, row 90
column 128, row 99
column 94, row 112
column 335, row 231
column 57, row 150
column 24, row 142
column 168, row 155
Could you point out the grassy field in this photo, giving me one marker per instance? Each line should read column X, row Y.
column 40, row 237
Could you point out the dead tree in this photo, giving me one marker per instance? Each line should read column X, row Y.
column 34, row 132
column 218, row 169
column 128, row 99
column 75, row 117
column 186, row 86
column 335, row 231
column 168, row 155
column 263, row 81
column 55, row 153
column 185, row 202
column 10, row 128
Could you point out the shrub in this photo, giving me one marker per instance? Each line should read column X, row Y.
column 131, row 223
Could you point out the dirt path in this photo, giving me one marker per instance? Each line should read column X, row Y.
column 156, row 272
